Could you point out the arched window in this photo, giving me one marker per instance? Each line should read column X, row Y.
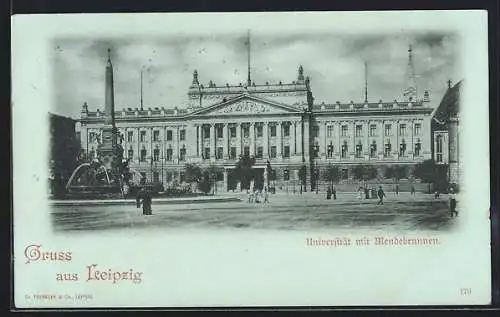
column 359, row 150
column 387, row 149
column 418, row 146
column 402, row 148
column 169, row 153
column 344, row 150
column 156, row 154
column 182, row 153
column 143, row 154
column 373, row 149
column 130, row 153
column 439, row 148
column 330, row 150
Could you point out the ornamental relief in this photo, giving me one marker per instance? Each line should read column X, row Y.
column 247, row 107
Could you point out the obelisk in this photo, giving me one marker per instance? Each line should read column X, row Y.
column 108, row 148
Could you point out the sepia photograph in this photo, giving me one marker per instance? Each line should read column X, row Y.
column 240, row 158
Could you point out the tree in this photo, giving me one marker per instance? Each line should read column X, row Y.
column 395, row 172
column 243, row 170
column 213, row 171
column 431, row 173
column 192, row 174
column 332, row 174
column 302, row 177
column 364, row 172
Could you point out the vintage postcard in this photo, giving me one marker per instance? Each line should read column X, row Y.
column 251, row 159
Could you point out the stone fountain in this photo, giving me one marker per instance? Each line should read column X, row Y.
column 107, row 174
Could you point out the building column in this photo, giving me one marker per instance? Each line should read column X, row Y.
column 293, row 145
column 200, row 140
column 381, row 147
column 298, row 129
column 213, row 146
column 252, row 137
column 225, row 146
column 265, row 138
column 411, row 148
column 306, row 138
column 238, row 139
column 225, row 179
column 322, row 139
column 279, row 145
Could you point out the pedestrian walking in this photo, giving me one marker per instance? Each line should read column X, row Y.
column 334, row 192
column 329, row 193
column 412, row 189
column 144, row 198
column 453, row 203
column 381, row 196
column 266, row 196
column 397, row 189
column 367, row 193
column 360, row 190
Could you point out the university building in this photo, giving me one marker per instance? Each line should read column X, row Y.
column 279, row 123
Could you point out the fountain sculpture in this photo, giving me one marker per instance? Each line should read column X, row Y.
column 107, row 175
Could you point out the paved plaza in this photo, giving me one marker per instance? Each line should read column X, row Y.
column 283, row 212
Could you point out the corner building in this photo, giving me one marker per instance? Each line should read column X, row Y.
column 278, row 122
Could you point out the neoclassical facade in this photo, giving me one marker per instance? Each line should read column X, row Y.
column 277, row 123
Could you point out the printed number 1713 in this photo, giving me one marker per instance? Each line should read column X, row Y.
column 465, row 291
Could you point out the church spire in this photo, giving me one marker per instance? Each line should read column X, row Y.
column 410, row 92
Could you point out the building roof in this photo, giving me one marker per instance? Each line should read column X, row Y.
column 449, row 105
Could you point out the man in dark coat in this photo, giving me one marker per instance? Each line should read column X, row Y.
column 329, row 193
column 144, row 198
column 381, row 196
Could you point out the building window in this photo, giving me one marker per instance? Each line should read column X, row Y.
column 286, row 130
column 246, row 131
column 418, row 146
column 330, row 150
column 130, row 154
column 259, row 131
column 169, row 135
column 273, row 151
column 219, row 176
column 246, row 151
column 286, row 175
column 373, row 149
column 418, row 128
column 315, row 131
column 143, row 155
column 232, row 131
column 286, row 151
column 345, row 173
column 220, row 132
column 156, row 177
column 207, row 153
column 373, row 130
column 402, row 129
column 182, row 154
column 329, row 131
column 402, row 148
column 220, row 153
column 130, row 136
column 343, row 130
column 143, row 136
column 387, row 150
column 206, row 132
column 233, row 153
column 156, row 135
column 169, row 176
column 388, row 129
column 273, row 130
column 359, row 150
column 156, row 155
column 182, row 135
column 359, row 130
column 169, row 154
column 181, row 177
column 439, row 149
column 260, row 152
column 344, row 150
column 91, row 137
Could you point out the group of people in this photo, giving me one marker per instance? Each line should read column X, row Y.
column 258, row 196
column 331, row 191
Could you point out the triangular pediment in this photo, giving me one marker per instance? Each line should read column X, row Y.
column 246, row 105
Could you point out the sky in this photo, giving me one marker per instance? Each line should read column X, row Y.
column 335, row 64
